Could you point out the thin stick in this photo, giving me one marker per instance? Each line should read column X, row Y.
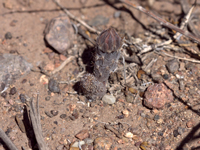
column 7, row 141
column 76, row 19
column 181, row 58
column 63, row 64
column 160, row 20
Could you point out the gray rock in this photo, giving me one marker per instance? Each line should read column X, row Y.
column 117, row 14
column 53, row 86
column 172, row 66
column 109, row 99
column 12, row 67
column 8, row 35
column 59, row 34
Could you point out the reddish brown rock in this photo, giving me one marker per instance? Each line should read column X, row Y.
column 157, row 96
column 102, row 143
column 82, row 134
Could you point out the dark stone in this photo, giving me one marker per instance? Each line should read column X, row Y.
column 49, row 114
column 160, row 133
column 55, row 122
column 172, row 66
column 54, row 112
column 8, row 35
column 53, row 86
column 63, row 116
column 4, row 94
column 166, row 76
column 22, row 98
column 156, row 117
column 13, row 91
column 64, row 100
column 75, row 114
column 47, row 98
column 24, row 81
column 175, row 133
column 2, row 87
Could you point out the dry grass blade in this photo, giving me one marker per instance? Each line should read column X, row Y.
column 35, row 119
column 7, row 141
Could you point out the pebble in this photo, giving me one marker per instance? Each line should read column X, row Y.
column 172, row 66
column 109, row 99
column 59, row 34
column 76, row 144
column 190, row 124
column 75, row 113
column 160, row 121
column 129, row 98
column 156, row 117
column 53, row 86
column 125, row 113
column 63, row 116
column 4, row 94
column 166, row 76
column 129, row 135
column 175, row 133
column 13, row 91
column 98, row 21
column 24, row 81
column 140, row 73
column 117, row 14
column 133, row 91
column 83, row 134
column 8, row 35
column 156, row 77
column 88, row 141
column 47, row 98
column 22, row 98
column 54, row 112
column 181, row 130
column 102, row 143
column 157, row 95
column 87, row 147
column 50, row 115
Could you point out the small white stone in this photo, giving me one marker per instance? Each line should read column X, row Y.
column 129, row 135
column 109, row 99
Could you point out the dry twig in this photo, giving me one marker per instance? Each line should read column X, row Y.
column 181, row 58
column 76, row 19
column 63, row 64
column 161, row 21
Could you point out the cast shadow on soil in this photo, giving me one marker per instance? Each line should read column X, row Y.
column 29, row 130
column 87, row 59
column 191, row 135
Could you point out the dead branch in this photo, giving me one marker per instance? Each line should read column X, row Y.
column 7, row 141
